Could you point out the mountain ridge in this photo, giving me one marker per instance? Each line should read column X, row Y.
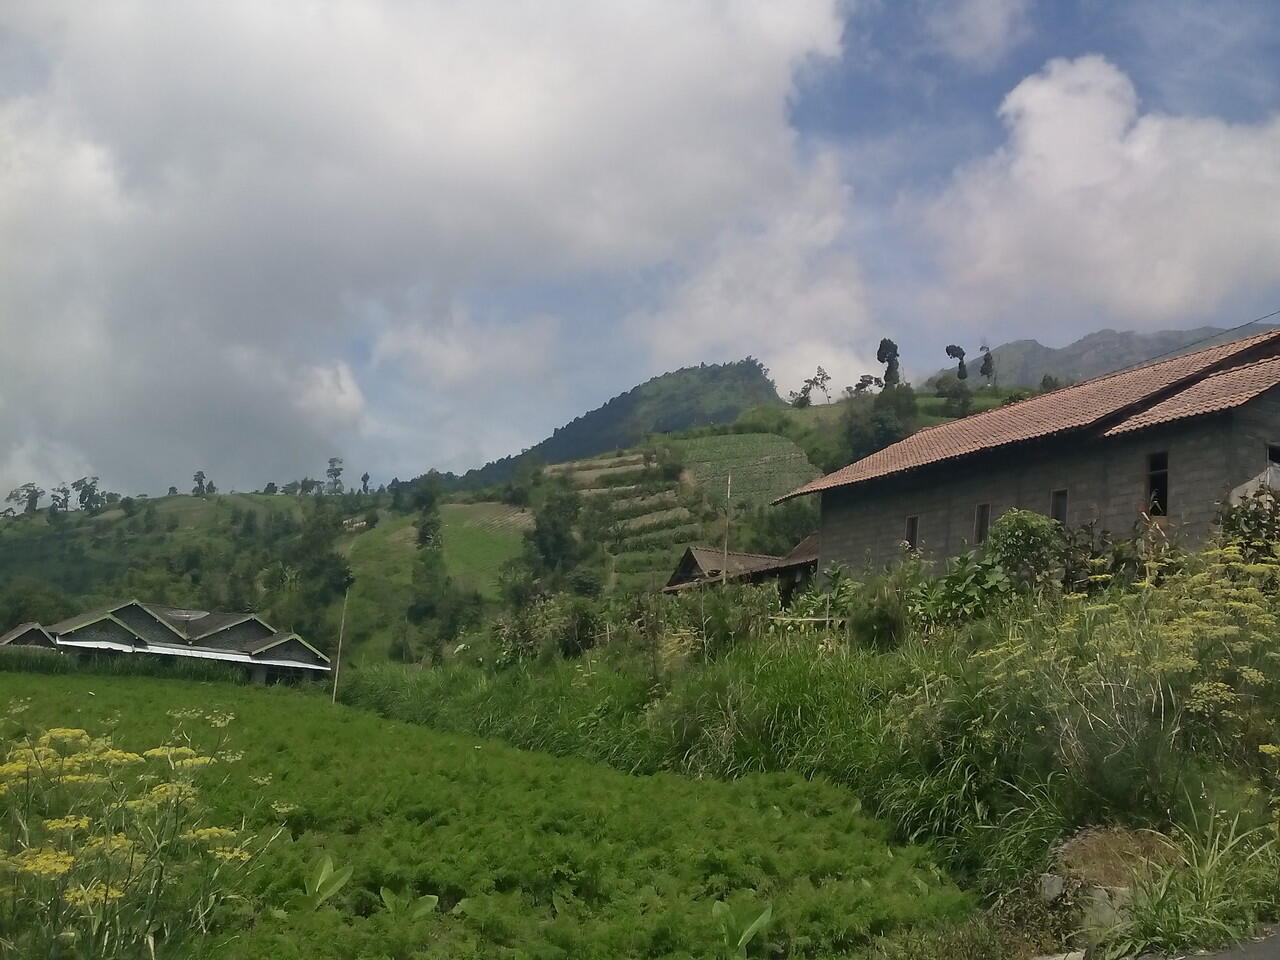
column 1025, row 363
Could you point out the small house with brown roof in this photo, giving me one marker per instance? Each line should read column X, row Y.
column 1172, row 439
column 701, row 566
column 150, row 629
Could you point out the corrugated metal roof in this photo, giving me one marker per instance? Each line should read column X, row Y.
column 1060, row 411
column 1222, row 391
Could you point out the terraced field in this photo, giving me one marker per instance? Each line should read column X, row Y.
column 656, row 519
column 763, row 466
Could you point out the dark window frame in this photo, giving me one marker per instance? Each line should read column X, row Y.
column 1273, row 454
column 1157, row 484
column 1062, row 496
column 981, row 523
column 911, row 532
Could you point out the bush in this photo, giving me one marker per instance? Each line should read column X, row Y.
column 1027, row 546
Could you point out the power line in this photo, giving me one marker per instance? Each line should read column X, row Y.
column 1179, row 350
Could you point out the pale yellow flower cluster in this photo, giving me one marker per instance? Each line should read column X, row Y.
column 66, row 824
column 47, row 863
column 94, row 895
column 219, row 836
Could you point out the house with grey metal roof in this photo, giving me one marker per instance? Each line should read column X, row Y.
column 1170, row 441
column 134, row 628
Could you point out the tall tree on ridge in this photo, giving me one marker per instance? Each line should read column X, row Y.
column 888, row 355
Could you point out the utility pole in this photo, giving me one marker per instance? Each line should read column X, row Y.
column 728, row 516
column 337, row 661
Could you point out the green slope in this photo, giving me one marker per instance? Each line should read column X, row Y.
column 692, row 397
column 531, row 856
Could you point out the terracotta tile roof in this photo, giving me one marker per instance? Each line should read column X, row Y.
column 1222, row 391
column 1071, row 408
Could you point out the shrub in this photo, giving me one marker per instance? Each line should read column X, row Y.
column 1027, row 545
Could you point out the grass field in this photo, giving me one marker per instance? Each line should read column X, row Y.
column 479, row 538
column 531, row 857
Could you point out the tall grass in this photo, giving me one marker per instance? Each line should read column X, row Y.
column 991, row 739
column 43, row 660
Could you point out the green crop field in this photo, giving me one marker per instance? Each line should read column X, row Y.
column 530, row 856
column 479, row 538
column 382, row 564
column 763, row 466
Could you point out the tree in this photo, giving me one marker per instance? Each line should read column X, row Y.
column 61, row 499
column 92, row 500
column 988, row 368
column 173, row 491
column 1049, row 382
column 270, row 489
column 957, row 353
column 199, row 488
column 364, row 483
column 26, row 496
column 958, row 401
column 209, row 488
column 334, row 473
column 887, row 354
column 801, row 398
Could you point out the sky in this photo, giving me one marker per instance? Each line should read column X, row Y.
column 244, row 237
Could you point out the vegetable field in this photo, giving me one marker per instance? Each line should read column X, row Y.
column 763, row 465
column 529, row 856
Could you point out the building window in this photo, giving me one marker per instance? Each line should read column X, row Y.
column 1273, row 455
column 1158, row 484
column 981, row 522
column 912, row 532
column 1058, row 506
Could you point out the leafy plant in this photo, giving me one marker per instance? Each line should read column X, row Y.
column 323, row 881
column 407, row 908
column 738, row 936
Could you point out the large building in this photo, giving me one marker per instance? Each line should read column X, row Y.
column 1172, row 440
column 134, row 628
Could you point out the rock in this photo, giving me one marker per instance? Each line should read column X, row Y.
column 1051, row 886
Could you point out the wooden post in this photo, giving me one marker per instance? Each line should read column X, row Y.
column 337, row 660
column 728, row 514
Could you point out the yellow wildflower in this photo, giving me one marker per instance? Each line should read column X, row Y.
column 119, row 758
column 45, row 862
column 169, row 753
column 66, row 824
column 210, row 835
column 1269, row 749
column 109, row 844
column 84, row 779
column 231, row 854
column 187, row 762
column 94, row 895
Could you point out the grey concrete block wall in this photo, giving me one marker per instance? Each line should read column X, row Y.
column 1106, row 481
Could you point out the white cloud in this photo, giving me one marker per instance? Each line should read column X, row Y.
column 189, row 183
column 978, row 32
column 783, row 286
column 1094, row 206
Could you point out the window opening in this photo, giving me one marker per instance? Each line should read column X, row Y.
column 1058, row 506
column 981, row 523
column 1158, row 484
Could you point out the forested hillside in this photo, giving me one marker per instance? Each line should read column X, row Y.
column 691, row 397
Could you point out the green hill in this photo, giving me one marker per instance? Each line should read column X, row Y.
column 693, row 397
